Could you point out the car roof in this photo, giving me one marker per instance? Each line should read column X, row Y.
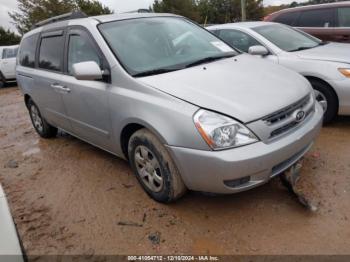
column 311, row 7
column 126, row 16
column 8, row 46
column 241, row 25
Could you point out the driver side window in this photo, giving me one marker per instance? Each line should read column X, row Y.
column 81, row 50
column 238, row 39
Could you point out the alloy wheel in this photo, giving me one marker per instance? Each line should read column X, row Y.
column 37, row 121
column 321, row 98
column 148, row 168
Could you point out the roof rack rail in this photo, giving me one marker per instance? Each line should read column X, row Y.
column 67, row 16
column 142, row 10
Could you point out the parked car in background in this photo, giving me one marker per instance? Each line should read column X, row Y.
column 325, row 65
column 184, row 108
column 8, row 64
column 10, row 245
column 329, row 22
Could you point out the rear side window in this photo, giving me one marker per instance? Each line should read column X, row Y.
column 27, row 51
column 51, row 53
column 317, row 18
column 9, row 53
column 344, row 17
column 287, row 18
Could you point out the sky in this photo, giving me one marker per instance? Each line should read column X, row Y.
column 118, row 6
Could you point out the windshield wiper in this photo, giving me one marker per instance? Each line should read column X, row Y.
column 155, row 72
column 209, row 59
column 323, row 43
column 302, row 48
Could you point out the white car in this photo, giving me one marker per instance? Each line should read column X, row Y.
column 8, row 64
column 326, row 65
column 10, row 249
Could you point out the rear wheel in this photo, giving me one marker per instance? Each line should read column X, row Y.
column 327, row 98
column 43, row 128
column 154, row 168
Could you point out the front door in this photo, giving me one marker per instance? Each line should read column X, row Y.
column 86, row 102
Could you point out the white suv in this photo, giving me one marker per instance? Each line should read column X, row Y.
column 8, row 64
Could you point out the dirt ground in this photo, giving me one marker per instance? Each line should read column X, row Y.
column 68, row 197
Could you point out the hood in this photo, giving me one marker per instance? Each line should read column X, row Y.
column 333, row 52
column 244, row 87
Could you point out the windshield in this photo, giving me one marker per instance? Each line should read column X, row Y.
column 287, row 38
column 147, row 46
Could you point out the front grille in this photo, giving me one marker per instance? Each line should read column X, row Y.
column 283, row 129
column 286, row 112
column 283, row 120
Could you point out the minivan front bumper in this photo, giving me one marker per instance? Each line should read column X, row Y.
column 239, row 169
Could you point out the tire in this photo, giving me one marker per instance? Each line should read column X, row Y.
column 44, row 129
column 324, row 92
column 2, row 81
column 154, row 168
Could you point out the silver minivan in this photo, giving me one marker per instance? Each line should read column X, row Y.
column 185, row 109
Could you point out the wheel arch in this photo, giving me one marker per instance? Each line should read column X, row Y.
column 314, row 78
column 129, row 129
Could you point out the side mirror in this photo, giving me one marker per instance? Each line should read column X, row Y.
column 258, row 50
column 87, row 71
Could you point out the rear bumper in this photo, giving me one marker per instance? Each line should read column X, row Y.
column 342, row 88
column 212, row 171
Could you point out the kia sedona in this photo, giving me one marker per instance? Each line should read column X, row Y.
column 184, row 108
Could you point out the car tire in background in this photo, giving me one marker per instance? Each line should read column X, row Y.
column 327, row 98
column 43, row 128
column 154, row 168
column 2, row 81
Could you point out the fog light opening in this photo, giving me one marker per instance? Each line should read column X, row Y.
column 237, row 182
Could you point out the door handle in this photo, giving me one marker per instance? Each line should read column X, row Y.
column 60, row 88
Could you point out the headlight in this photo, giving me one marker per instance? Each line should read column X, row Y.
column 345, row 71
column 222, row 132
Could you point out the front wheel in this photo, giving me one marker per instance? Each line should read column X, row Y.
column 154, row 168
column 327, row 98
column 43, row 128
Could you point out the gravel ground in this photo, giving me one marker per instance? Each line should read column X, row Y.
column 68, row 197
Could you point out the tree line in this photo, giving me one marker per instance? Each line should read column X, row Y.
column 31, row 12
column 211, row 11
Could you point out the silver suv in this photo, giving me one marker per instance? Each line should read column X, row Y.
column 185, row 109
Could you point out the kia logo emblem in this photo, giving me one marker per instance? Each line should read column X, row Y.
column 299, row 115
